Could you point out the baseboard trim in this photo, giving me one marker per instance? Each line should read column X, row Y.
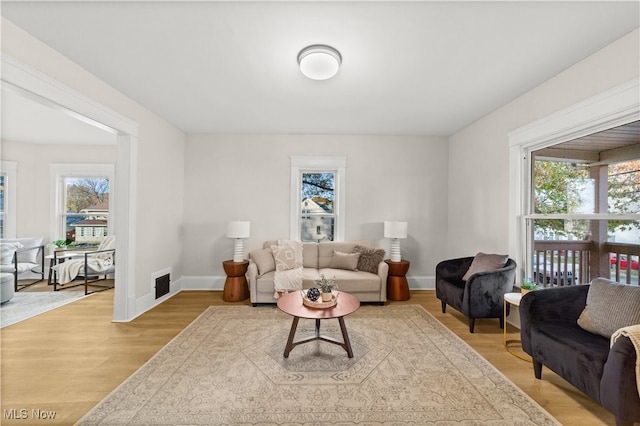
column 214, row 282
column 422, row 283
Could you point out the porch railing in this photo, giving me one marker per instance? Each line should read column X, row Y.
column 561, row 262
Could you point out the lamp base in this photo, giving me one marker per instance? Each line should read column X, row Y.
column 395, row 250
column 238, row 250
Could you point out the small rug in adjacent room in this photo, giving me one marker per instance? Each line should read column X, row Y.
column 227, row 367
column 27, row 304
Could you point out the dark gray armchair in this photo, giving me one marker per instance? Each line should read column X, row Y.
column 481, row 296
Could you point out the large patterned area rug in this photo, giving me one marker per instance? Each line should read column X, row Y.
column 227, row 367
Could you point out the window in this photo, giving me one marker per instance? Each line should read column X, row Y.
column 81, row 197
column 586, row 199
column 8, row 175
column 317, row 212
column 317, row 198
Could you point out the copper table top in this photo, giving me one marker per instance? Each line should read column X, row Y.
column 291, row 303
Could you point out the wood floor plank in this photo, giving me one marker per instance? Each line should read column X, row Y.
column 69, row 359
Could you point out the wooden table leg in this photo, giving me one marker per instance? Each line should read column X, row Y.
column 292, row 333
column 345, row 337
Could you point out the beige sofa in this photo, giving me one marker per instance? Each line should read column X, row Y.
column 367, row 282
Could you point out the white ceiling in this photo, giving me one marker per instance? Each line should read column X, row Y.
column 409, row 68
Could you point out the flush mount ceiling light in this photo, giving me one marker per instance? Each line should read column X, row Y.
column 319, row 62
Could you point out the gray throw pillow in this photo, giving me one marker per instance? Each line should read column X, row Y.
column 348, row 261
column 610, row 306
column 369, row 258
column 483, row 262
column 263, row 258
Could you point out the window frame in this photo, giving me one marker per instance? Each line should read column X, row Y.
column 10, row 171
column 611, row 108
column 318, row 164
column 58, row 173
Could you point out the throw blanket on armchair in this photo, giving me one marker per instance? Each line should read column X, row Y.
column 633, row 333
column 98, row 262
column 288, row 258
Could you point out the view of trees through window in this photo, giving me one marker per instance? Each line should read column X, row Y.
column 565, row 188
column 87, row 209
column 318, row 206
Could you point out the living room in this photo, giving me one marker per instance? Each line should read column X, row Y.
column 183, row 187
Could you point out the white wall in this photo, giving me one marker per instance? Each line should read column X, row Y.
column 33, row 178
column 479, row 155
column 159, row 164
column 248, row 177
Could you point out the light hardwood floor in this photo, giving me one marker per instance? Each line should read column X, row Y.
column 69, row 359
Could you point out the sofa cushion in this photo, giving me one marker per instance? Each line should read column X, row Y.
column 325, row 251
column 342, row 260
column 369, row 258
column 29, row 256
column 7, row 250
column 610, row 306
column 483, row 262
column 352, row 281
column 310, row 255
column 263, row 258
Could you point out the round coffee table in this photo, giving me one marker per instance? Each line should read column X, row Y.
column 291, row 303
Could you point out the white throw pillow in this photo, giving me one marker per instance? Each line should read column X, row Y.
column 7, row 251
column 284, row 257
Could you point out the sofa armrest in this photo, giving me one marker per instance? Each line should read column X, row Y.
column 383, row 272
column 252, row 276
column 618, row 388
column 560, row 305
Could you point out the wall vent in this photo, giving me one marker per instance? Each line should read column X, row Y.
column 162, row 285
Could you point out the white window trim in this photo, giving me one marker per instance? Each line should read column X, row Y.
column 60, row 171
column 615, row 107
column 10, row 170
column 301, row 164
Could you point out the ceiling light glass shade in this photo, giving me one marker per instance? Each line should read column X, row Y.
column 319, row 62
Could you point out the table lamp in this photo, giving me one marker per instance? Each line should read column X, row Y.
column 238, row 230
column 395, row 231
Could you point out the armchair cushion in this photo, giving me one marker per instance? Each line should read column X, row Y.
column 7, row 250
column 24, row 254
column 483, row 262
column 610, row 306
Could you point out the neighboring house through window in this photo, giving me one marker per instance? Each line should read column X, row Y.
column 317, row 200
column 81, row 197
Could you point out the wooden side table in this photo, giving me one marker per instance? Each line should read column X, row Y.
column 397, row 285
column 236, row 287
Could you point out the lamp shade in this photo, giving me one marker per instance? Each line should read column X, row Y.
column 395, row 229
column 238, row 229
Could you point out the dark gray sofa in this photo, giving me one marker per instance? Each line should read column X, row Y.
column 551, row 335
column 481, row 296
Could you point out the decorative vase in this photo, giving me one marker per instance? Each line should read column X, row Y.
column 326, row 297
column 524, row 291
